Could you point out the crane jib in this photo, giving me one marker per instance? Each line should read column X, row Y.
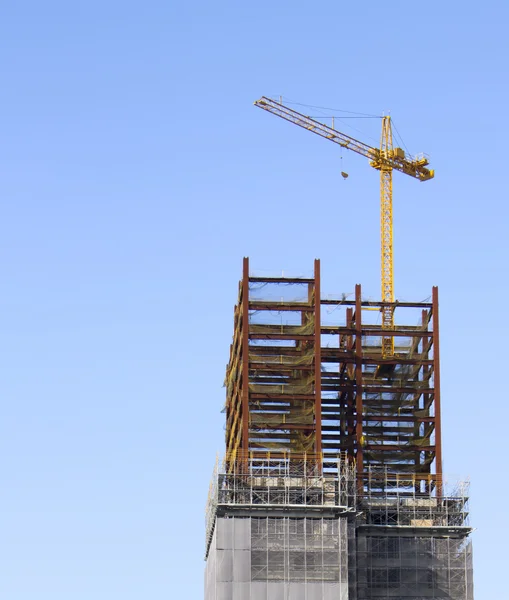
column 395, row 159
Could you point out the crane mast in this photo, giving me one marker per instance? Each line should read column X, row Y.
column 385, row 159
column 386, row 235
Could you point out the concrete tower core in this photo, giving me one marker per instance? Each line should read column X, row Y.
column 332, row 486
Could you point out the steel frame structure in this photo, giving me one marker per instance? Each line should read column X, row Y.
column 298, row 385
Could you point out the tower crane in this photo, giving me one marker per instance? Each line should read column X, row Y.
column 385, row 159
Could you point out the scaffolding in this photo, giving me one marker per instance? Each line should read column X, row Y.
column 284, row 522
column 264, row 484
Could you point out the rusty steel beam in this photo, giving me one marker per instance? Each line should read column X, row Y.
column 245, row 355
column 277, row 350
column 318, row 360
column 279, row 426
column 281, row 336
column 278, row 306
column 436, row 376
column 399, row 418
column 377, row 304
column 349, row 358
column 358, row 380
column 280, row 397
column 269, row 370
column 377, row 389
column 398, row 448
column 281, row 280
column 375, row 331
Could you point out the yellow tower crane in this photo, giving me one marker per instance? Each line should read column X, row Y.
column 385, row 159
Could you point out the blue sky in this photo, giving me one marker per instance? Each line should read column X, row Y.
column 135, row 174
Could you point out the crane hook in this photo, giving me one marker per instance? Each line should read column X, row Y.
column 344, row 175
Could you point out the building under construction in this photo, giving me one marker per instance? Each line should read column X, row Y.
column 331, row 486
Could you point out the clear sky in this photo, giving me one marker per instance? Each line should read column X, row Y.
column 135, row 174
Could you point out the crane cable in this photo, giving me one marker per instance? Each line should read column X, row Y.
column 365, row 115
column 400, row 138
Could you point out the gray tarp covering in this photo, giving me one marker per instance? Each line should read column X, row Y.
column 305, row 559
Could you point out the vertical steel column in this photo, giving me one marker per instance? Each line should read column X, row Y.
column 349, row 394
column 318, row 362
column 436, row 382
column 245, row 358
column 358, row 385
